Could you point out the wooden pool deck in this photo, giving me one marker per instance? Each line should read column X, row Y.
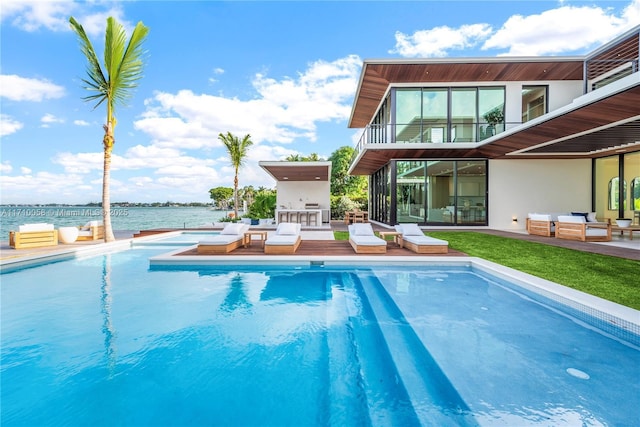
column 621, row 246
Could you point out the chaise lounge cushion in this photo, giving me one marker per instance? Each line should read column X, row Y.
column 362, row 234
column 232, row 232
column 285, row 240
column 409, row 230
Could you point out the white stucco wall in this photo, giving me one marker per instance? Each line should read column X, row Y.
column 294, row 194
column 519, row 187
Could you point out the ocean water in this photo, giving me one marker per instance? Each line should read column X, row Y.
column 129, row 218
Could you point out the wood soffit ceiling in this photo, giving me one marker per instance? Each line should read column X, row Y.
column 376, row 78
column 300, row 171
column 583, row 130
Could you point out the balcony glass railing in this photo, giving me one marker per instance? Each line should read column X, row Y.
column 408, row 133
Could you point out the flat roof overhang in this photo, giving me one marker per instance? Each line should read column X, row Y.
column 297, row 171
column 378, row 75
column 601, row 123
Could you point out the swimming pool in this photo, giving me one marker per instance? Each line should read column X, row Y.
column 107, row 340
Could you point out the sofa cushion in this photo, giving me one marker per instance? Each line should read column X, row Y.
column 35, row 227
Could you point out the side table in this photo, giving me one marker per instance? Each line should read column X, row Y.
column 397, row 237
column 246, row 239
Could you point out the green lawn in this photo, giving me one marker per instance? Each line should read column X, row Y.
column 611, row 278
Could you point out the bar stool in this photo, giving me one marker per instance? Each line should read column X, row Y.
column 293, row 217
column 303, row 218
column 283, row 217
column 312, row 216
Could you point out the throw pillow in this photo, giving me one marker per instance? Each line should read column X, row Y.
column 411, row 230
column 591, row 217
column 287, row 229
column 362, row 229
column 232, row 228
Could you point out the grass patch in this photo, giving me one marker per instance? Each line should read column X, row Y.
column 611, row 278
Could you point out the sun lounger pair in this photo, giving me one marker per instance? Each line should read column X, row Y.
column 285, row 240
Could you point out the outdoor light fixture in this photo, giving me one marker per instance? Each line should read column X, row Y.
column 285, row 178
column 514, row 218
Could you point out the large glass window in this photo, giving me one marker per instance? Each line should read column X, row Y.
column 491, row 111
column 408, row 115
column 434, row 114
column 448, row 114
column 463, row 115
column 441, row 192
column 534, row 102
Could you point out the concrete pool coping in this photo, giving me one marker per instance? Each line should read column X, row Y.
column 609, row 312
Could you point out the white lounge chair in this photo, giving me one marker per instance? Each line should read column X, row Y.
column 285, row 240
column 231, row 237
column 414, row 239
column 364, row 241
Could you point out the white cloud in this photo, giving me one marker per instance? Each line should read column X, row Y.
column 9, row 125
column 282, row 111
column 564, row 29
column 25, row 170
column 437, row 41
column 33, row 15
column 5, row 167
column 18, row 88
column 49, row 118
column 81, row 123
column 44, row 187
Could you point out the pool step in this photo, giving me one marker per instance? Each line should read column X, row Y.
column 434, row 399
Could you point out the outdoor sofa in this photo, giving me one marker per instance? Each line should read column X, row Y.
column 576, row 227
column 33, row 236
column 93, row 230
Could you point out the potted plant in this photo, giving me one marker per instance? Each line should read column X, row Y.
column 493, row 117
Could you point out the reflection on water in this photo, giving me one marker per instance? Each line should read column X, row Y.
column 107, row 325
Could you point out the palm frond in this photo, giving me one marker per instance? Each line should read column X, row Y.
column 97, row 81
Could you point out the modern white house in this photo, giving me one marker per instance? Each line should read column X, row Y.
column 485, row 141
column 302, row 188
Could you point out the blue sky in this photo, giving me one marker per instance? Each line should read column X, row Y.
column 284, row 72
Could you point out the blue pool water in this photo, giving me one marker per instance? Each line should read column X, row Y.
column 105, row 340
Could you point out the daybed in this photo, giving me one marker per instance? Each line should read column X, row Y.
column 33, row 236
column 574, row 227
column 231, row 237
column 285, row 240
column 364, row 241
column 414, row 239
column 93, row 230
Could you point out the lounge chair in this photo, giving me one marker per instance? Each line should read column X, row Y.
column 93, row 230
column 574, row 227
column 231, row 237
column 364, row 241
column 285, row 240
column 33, row 236
column 414, row 239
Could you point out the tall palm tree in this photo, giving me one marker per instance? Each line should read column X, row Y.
column 123, row 64
column 237, row 149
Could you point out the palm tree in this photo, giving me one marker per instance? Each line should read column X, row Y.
column 237, row 149
column 123, row 65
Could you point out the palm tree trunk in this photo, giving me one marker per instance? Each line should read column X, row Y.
column 235, row 194
column 106, row 177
